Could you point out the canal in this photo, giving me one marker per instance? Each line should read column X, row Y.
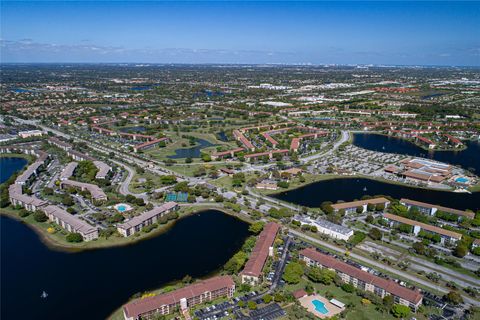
column 92, row 284
column 348, row 189
column 468, row 158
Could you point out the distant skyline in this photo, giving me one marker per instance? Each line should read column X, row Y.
column 342, row 32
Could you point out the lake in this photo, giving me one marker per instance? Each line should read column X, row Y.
column 349, row 189
column 93, row 284
column 8, row 166
column 467, row 159
column 193, row 152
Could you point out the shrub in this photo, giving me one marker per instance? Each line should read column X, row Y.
column 74, row 237
column 40, row 216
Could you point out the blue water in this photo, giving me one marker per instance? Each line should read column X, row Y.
column 222, row 136
column 9, row 165
column 121, row 208
column 467, row 159
column 461, row 180
column 193, row 152
column 320, row 306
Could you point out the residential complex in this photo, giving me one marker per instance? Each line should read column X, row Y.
column 145, row 219
column 363, row 280
column 252, row 273
column 351, row 207
column 447, row 236
column 180, row 299
column 431, row 209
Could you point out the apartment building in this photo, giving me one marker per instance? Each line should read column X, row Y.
column 431, row 209
column 447, row 236
column 145, row 219
column 252, row 273
column 362, row 279
column 184, row 298
column 351, row 207
column 95, row 191
column 70, row 222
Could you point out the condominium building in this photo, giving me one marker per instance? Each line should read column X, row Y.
column 78, row 156
column 362, row 279
column 70, row 222
column 431, row 209
column 180, row 299
column 252, row 273
column 95, row 191
column 17, row 198
column 326, row 227
column 103, row 169
column 351, row 207
column 446, row 236
column 68, row 171
column 145, row 219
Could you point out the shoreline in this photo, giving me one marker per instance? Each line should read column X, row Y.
column 53, row 244
column 358, row 176
column 463, row 148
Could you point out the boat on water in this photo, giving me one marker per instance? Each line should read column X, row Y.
column 44, row 295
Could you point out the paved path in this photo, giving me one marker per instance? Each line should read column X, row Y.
column 380, row 266
column 344, row 138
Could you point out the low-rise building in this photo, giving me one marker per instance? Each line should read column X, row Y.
column 30, row 133
column 252, row 273
column 103, row 169
column 326, row 227
column 145, row 219
column 351, row 207
column 70, row 222
column 68, row 171
column 431, row 209
column 95, row 191
column 446, row 236
column 181, row 299
column 362, row 279
column 148, row 144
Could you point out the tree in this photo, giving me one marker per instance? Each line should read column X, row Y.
column 419, row 248
column 187, row 279
column 388, row 301
column 74, row 237
column 48, row 191
column 359, row 209
column 369, row 219
column 453, row 297
column 256, row 227
column 267, row 298
column 293, row 273
column 40, row 216
column 67, row 201
column 347, row 287
column 400, row 311
column 252, row 305
column 460, row 250
column 375, row 234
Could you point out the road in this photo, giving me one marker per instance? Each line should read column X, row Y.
column 380, row 266
column 123, row 189
column 344, row 138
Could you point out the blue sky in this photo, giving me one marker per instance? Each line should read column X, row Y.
column 342, row 32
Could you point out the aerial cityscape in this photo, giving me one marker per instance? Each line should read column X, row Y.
column 230, row 171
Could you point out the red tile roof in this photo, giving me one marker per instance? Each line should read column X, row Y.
column 388, row 285
column 141, row 306
column 259, row 254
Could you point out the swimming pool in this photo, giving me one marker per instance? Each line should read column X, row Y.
column 461, row 180
column 121, row 208
column 320, row 306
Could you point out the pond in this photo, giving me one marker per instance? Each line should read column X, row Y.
column 193, row 152
column 92, row 284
